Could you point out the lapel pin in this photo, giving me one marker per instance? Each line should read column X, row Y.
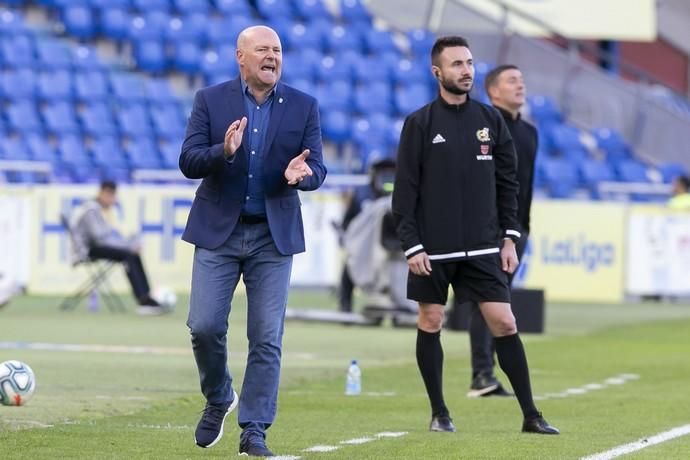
column 280, row 100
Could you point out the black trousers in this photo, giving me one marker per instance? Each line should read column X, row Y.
column 481, row 340
column 133, row 267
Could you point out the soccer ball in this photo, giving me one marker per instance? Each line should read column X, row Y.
column 17, row 383
column 166, row 297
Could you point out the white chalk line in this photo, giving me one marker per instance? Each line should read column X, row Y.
column 617, row 380
column 641, row 444
column 356, row 441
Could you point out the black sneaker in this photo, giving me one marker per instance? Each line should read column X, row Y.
column 482, row 384
column 538, row 425
column 499, row 391
column 210, row 428
column 254, row 445
column 442, row 423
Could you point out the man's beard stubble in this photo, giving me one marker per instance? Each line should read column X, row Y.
column 452, row 88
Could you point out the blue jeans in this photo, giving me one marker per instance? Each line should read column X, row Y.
column 250, row 252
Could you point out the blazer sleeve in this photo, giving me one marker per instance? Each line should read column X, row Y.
column 199, row 158
column 506, row 182
column 312, row 141
column 406, row 188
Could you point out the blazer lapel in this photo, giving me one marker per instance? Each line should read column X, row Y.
column 279, row 104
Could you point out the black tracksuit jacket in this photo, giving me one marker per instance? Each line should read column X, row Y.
column 455, row 194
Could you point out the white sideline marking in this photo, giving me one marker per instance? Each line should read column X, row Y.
column 394, row 434
column 321, row 449
column 641, row 444
column 616, row 380
column 285, row 457
column 33, row 423
column 357, row 441
column 134, row 349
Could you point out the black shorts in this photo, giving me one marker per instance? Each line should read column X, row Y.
column 479, row 280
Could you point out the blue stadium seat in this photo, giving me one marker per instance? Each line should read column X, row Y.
column 72, row 150
column 371, row 69
column 40, row 149
column 411, row 97
column 354, row 11
column 128, row 87
column 192, row 6
column 91, row 86
column 394, row 132
column 220, row 64
column 632, row 171
column 158, row 91
column 592, row 172
column 12, row 23
column 79, row 22
column 60, row 119
column 421, row 41
column 150, row 56
column 613, row 144
column 341, row 39
column 103, row 4
column 22, row 117
column 560, row 177
column 170, row 151
column 55, row 86
column 187, row 57
column 167, row 122
column 301, row 37
column 670, row 171
column 543, row 109
column 312, row 10
column 564, row 137
column 53, row 54
column 143, row 154
column 371, row 130
column 151, row 5
column 302, row 84
column 18, row 51
column 405, row 72
column 134, row 121
column 275, row 9
column 336, row 126
column 337, row 66
column 19, row 84
column 114, row 23
column 107, row 152
column 85, row 58
column 188, row 28
column 373, row 98
column 297, row 65
column 97, row 119
column 150, row 26
column 14, row 148
column 378, row 41
column 233, row 7
column 335, row 95
column 222, row 32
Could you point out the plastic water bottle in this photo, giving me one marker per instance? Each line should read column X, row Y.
column 94, row 301
column 353, row 382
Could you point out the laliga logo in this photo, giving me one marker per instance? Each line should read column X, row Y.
column 577, row 251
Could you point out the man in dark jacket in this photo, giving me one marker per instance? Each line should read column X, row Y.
column 506, row 89
column 455, row 206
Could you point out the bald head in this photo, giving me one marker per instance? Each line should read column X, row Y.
column 260, row 57
column 248, row 36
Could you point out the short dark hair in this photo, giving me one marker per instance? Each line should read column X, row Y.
column 684, row 181
column 446, row 42
column 491, row 78
column 109, row 185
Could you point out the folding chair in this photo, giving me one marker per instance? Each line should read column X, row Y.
column 98, row 272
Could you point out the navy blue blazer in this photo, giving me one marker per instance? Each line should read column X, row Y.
column 293, row 127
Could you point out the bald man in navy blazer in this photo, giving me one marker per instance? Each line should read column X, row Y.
column 254, row 142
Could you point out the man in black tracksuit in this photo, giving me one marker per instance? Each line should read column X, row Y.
column 455, row 207
column 506, row 89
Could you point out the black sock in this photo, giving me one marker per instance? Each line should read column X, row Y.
column 430, row 362
column 512, row 359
